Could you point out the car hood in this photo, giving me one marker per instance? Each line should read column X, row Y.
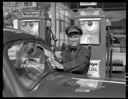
column 73, row 85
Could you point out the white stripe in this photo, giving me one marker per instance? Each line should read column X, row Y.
column 101, row 80
column 89, row 19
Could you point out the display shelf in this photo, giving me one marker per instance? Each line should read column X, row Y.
column 119, row 56
column 119, row 35
column 118, row 68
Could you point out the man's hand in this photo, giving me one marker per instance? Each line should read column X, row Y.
column 48, row 53
column 59, row 56
column 56, row 64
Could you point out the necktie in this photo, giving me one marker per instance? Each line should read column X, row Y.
column 73, row 49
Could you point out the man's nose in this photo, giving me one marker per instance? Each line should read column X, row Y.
column 74, row 39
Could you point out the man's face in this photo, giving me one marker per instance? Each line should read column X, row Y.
column 74, row 39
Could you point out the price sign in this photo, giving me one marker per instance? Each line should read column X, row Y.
column 91, row 31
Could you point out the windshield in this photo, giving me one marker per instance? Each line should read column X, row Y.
column 29, row 60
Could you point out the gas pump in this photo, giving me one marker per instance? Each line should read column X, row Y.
column 32, row 22
column 37, row 23
column 93, row 24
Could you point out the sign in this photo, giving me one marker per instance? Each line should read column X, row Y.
column 91, row 31
column 94, row 68
column 90, row 13
column 30, row 4
column 88, row 3
column 30, row 14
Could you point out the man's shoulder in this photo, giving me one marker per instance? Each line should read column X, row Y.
column 84, row 48
column 85, row 51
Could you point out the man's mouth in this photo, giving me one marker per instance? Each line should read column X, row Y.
column 73, row 43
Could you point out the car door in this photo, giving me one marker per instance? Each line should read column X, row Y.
column 24, row 65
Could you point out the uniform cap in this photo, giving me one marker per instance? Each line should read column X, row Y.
column 73, row 30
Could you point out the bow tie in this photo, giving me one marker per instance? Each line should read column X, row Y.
column 73, row 49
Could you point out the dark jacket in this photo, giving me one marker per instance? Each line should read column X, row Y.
column 76, row 62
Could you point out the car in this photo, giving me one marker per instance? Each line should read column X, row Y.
column 28, row 73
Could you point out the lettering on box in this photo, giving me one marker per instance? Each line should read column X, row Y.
column 94, row 68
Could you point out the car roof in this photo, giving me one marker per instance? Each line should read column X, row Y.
column 12, row 30
column 15, row 34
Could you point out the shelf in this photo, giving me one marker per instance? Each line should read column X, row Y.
column 118, row 68
column 119, row 35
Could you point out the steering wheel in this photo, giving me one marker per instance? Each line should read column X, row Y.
column 32, row 58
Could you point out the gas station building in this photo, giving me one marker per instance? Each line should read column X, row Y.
column 93, row 20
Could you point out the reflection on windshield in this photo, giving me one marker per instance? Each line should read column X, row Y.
column 29, row 60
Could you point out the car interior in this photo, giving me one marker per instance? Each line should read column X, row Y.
column 29, row 61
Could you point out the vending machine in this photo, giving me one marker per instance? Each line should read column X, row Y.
column 93, row 24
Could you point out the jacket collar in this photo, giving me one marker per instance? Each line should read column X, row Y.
column 75, row 53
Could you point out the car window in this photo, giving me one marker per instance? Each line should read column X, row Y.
column 29, row 60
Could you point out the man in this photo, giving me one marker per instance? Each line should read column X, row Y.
column 75, row 58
